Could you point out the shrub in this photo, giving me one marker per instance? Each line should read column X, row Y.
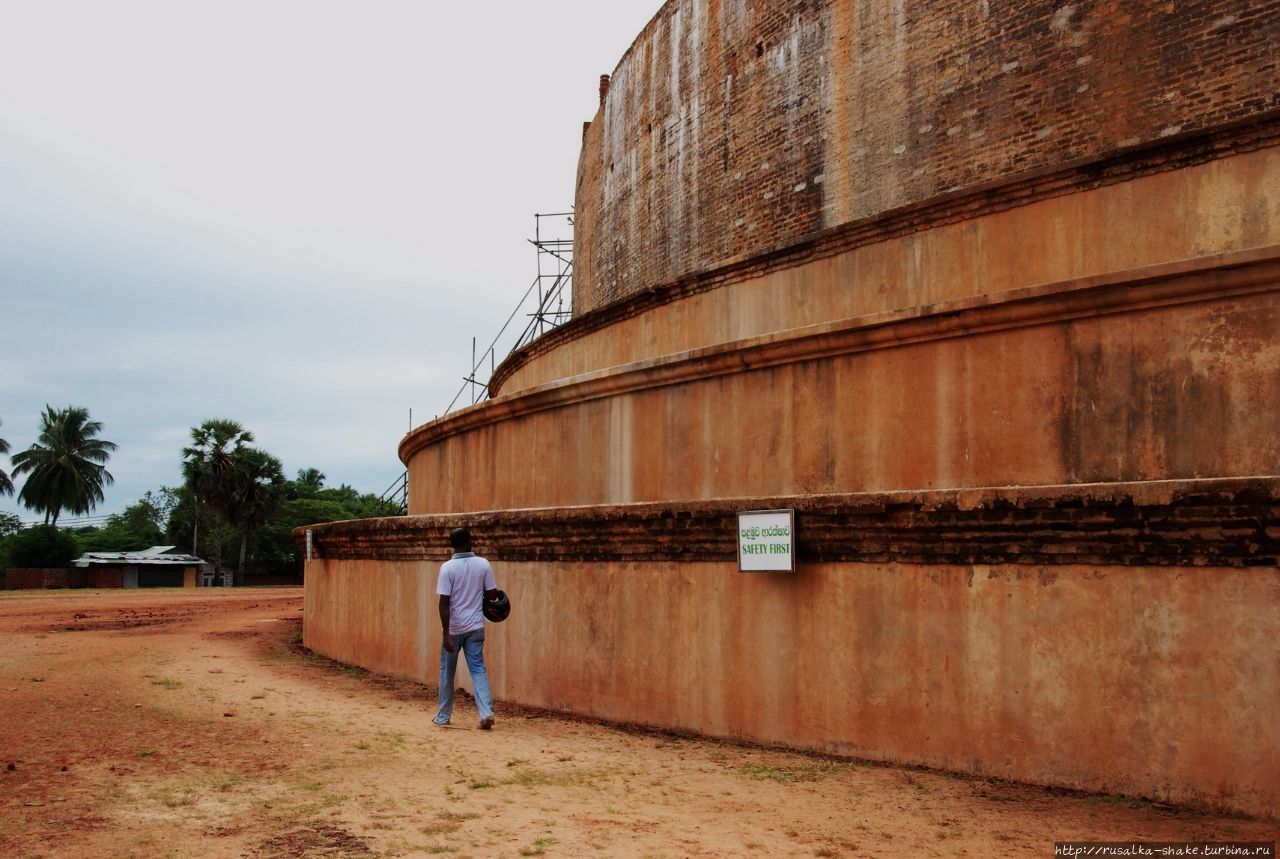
column 42, row 546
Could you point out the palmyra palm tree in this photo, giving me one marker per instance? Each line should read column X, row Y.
column 210, row 469
column 258, row 496
column 66, row 466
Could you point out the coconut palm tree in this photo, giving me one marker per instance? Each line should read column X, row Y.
column 209, row 467
column 6, row 485
column 309, row 482
column 66, row 466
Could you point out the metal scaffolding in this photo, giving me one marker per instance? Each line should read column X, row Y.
column 546, row 303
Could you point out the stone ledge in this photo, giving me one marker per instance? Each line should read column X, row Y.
column 1232, row 522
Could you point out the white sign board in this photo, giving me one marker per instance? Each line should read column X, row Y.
column 766, row 540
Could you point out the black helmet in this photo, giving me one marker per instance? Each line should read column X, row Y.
column 497, row 609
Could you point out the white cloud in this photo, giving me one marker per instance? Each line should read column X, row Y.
column 294, row 214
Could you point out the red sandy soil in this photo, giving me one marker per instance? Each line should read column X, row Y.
column 192, row 723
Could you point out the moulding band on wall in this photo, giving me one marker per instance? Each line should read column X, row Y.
column 1233, row 522
column 1171, row 153
column 1207, row 278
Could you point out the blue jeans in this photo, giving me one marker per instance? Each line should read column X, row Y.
column 472, row 644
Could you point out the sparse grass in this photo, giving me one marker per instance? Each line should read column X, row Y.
column 179, row 797
column 225, row 783
column 363, row 746
column 1107, row 798
column 146, row 753
column 826, row 851
column 540, row 778
column 457, row 816
column 256, row 697
column 37, row 679
column 479, row 783
column 167, row 683
column 792, row 774
column 539, row 846
column 354, row 670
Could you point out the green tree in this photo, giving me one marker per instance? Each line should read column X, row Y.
column 209, row 467
column 10, row 525
column 43, row 546
column 180, row 519
column 6, row 485
column 273, row 546
column 66, row 466
column 309, row 482
column 259, row 492
column 138, row 526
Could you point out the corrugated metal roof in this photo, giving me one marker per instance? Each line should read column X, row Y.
column 155, row 556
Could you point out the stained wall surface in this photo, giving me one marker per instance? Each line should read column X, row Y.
column 1172, row 375
column 1214, row 207
column 1137, row 681
column 731, row 127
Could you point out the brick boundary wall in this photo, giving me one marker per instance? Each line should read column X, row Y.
column 1232, row 522
column 39, row 578
column 1173, row 153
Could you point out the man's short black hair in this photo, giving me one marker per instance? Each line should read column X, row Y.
column 460, row 539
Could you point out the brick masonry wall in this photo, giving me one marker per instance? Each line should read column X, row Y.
column 730, row 128
column 1228, row 523
column 43, row 577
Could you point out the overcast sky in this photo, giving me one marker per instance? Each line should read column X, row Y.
column 292, row 214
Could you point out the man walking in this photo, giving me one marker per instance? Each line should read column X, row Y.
column 465, row 581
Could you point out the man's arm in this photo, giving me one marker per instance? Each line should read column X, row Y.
column 444, row 623
column 490, row 584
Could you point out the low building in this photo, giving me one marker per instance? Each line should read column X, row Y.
column 157, row 567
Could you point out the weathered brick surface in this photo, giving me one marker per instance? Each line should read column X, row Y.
column 731, row 128
column 1183, row 523
column 44, row 577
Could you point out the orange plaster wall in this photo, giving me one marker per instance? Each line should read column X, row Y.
column 371, row 614
column 1181, row 391
column 1221, row 206
column 1142, row 681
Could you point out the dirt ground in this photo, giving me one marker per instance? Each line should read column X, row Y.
column 192, row 723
